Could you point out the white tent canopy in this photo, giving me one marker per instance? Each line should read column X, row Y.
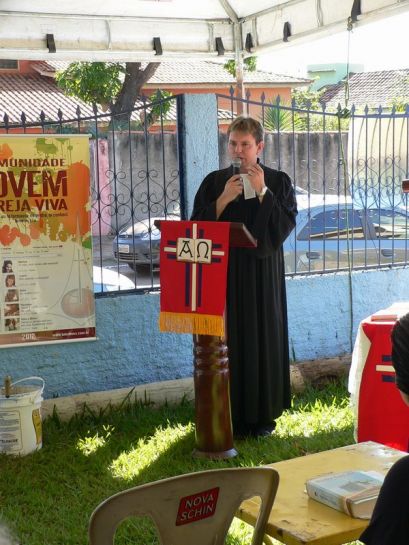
column 163, row 30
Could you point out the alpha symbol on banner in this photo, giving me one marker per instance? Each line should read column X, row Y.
column 195, row 251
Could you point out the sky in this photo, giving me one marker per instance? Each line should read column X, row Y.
column 382, row 45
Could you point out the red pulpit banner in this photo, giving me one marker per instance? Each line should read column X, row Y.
column 193, row 275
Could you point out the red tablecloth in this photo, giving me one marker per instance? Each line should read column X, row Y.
column 381, row 415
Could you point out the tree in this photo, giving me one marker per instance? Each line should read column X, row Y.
column 107, row 83
column 249, row 64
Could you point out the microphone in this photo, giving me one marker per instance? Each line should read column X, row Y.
column 236, row 163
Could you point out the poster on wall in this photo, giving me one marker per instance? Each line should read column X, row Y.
column 46, row 288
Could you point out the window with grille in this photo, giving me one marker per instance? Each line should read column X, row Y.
column 6, row 64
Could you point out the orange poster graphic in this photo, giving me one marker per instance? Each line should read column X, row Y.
column 46, row 288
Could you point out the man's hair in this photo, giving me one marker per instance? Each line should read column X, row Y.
column 247, row 125
column 400, row 353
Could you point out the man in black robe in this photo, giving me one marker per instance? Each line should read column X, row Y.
column 257, row 336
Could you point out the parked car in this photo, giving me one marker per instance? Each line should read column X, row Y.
column 328, row 230
column 138, row 244
column 331, row 229
column 110, row 280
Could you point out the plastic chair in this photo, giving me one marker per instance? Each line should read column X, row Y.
column 191, row 509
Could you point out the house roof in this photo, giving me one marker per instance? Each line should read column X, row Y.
column 214, row 73
column 370, row 88
column 34, row 94
column 194, row 72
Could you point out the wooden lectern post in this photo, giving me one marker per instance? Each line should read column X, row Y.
column 214, row 433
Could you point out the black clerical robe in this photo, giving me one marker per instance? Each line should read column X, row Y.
column 257, row 335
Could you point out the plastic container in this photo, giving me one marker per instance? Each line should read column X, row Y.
column 20, row 417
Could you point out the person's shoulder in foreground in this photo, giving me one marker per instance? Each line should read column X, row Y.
column 390, row 520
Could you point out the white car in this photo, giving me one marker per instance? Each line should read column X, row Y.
column 110, row 280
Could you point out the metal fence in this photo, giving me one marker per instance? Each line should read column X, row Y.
column 135, row 178
column 347, row 167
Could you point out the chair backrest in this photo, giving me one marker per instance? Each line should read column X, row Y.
column 191, row 509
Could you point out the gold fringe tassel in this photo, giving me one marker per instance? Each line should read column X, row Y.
column 200, row 324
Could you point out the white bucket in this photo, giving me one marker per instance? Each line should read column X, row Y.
column 20, row 418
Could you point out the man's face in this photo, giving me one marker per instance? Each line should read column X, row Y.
column 8, row 267
column 243, row 145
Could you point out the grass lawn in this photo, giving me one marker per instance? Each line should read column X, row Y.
column 46, row 498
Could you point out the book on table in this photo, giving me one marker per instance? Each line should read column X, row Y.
column 352, row 492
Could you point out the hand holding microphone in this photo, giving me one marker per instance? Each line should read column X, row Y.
column 234, row 186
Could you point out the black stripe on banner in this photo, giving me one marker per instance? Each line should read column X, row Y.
column 216, row 245
column 386, row 357
column 388, row 378
column 216, row 260
column 187, row 284
column 199, row 285
column 171, row 256
column 171, row 242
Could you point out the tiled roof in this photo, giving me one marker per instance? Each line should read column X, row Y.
column 34, row 94
column 194, row 72
column 49, row 68
column 370, row 88
column 213, row 73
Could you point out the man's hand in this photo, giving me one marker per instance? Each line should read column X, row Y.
column 232, row 189
column 256, row 177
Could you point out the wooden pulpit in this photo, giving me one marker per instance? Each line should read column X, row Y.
column 214, row 433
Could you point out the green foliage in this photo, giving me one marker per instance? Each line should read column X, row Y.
column 249, row 64
column 159, row 108
column 305, row 98
column 92, row 82
column 48, row 496
column 276, row 118
column 307, row 102
column 399, row 103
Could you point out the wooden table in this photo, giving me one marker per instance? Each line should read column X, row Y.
column 298, row 520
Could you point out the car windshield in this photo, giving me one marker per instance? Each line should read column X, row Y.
column 140, row 228
column 389, row 223
column 333, row 223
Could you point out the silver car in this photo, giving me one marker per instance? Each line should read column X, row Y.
column 331, row 229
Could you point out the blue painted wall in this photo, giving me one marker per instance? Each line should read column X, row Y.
column 130, row 350
column 322, row 321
